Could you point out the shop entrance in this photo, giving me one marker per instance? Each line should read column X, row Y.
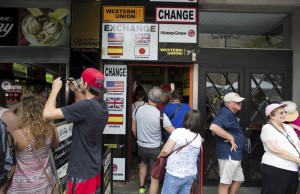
column 178, row 77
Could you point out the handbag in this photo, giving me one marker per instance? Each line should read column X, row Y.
column 56, row 188
column 158, row 169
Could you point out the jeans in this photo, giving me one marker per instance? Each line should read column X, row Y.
column 173, row 184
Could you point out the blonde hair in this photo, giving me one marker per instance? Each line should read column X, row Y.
column 30, row 116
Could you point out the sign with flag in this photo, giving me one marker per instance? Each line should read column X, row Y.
column 142, row 37
column 115, row 103
column 120, row 41
column 115, row 119
column 141, row 51
column 115, row 83
column 115, row 37
column 115, row 50
column 115, row 86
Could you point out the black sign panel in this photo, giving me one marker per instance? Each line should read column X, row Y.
column 177, row 52
column 8, row 26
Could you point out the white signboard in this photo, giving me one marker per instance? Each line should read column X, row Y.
column 116, row 85
column 178, row 33
column 176, row 1
column 119, row 169
column 176, row 14
column 129, row 41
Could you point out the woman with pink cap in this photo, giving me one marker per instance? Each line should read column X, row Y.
column 280, row 162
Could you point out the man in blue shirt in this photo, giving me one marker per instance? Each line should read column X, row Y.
column 229, row 144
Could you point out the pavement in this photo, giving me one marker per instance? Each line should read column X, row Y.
column 133, row 185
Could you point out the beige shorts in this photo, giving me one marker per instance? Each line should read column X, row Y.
column 230, row 170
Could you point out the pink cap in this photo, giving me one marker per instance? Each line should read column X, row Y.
column 272, row 107
column 166, row 87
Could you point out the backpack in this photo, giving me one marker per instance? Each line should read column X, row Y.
column 7, row 156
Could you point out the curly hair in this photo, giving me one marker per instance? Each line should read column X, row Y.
column 30, row 116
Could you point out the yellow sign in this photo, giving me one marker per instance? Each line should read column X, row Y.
column 186, row 84
column 123, row 13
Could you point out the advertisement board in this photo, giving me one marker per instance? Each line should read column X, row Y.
column 127, row 41
column 9, row 26
column 173, row 14
column 123, row 13
column 116, row 85
column 85, row 25
column 184, row 52
column 178, row 33
column 45, row 27
column 62, row 153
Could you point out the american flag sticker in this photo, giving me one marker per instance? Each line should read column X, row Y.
column 115, row 103
column 142, row 37
column 115, row 50
column 115, row 37
column 115, row 119
column 142, row 51
column 115, row 86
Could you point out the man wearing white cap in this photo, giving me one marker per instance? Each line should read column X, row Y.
column 89, row 116
column 229, row 144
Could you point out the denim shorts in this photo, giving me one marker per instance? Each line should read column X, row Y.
column 174, row 184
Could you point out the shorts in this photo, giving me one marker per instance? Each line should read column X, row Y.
column 84, row 186
column 149, row 155
column 230, row 170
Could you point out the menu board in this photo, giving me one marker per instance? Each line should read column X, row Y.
column 61, row 154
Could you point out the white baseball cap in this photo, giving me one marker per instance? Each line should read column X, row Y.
column 233, row 97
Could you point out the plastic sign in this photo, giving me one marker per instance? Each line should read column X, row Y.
column 123, row 13
column 176, row 15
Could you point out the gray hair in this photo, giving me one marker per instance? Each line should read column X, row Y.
column 155, row 94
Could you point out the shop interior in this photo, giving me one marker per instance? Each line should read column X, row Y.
column 146, row 76
column 19, row 79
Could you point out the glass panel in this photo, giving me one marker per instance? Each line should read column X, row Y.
column 265, row 89
column 217, row 85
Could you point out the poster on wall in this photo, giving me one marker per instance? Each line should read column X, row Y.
column 9, row 26
column 116, row 85
column 45, row 27
column 62, row 153
column 119, row 169
column 129, row 41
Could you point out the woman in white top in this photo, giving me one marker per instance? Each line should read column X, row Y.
column 182, row 165
column 280, row 161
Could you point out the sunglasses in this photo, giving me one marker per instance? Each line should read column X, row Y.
column 281, row 113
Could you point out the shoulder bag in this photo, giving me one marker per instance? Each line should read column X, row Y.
column 158, row 169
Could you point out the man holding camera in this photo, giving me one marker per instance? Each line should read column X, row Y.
column 89, row 116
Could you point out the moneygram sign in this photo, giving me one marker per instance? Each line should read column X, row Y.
column 176, row 15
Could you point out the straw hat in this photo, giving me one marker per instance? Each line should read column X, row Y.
column 291, row 109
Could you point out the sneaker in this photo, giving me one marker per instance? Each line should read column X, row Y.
column 142, row 190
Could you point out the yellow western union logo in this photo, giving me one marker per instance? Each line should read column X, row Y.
column 115, row 50
column 115, row 119
column 123, row 13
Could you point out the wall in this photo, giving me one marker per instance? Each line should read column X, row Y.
column 296, row 55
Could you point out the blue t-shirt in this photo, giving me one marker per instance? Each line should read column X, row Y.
column 177, row 120
column 229, row 122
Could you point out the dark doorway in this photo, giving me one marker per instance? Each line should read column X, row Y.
column 262, row 77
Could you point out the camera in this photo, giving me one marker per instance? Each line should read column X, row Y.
column 67, row 79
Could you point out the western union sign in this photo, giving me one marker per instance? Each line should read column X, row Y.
column 123, row 13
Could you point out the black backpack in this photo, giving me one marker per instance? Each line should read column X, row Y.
column 6, row 148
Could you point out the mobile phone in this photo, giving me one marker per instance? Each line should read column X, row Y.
column 67, row 79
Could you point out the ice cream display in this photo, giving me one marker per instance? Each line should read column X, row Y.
column 44, row 29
